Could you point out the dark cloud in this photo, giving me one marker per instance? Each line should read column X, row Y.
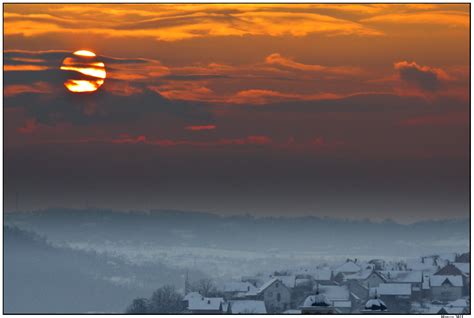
column 55, row 58
column 422, row 76
column 59, row 105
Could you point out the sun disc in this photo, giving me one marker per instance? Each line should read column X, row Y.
column 84, row 53
column 83, row 63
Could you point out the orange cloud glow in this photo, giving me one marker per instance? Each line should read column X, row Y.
column 201, row 127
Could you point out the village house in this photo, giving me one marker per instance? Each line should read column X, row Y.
column 340, row 297
column 288, row 280
column 367, row 278
column 323, row 276
column 378, row 264
column 449, row 270
column 359, row 293
column 396, row 296
column 423, row 264
column 237, row 289
column 465, row 268
column 414, row 278
column 374, row 306
column 317, row 304
column 255, row 280
column 274, row 293
column 349, row 267
column 460, row 306
column 304, row 281
column 446, row 287
column 195, row 303
column 463, row 258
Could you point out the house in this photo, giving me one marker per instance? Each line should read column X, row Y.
column 463, row 258
column 274, row 293
column 255, row 280
column 237, row 289
column 245, row 306
column 304, row 281
column 197, row 304
column 464, row 268
column 323, row 276
column 446, row 287
column 358, row 292
column 317, row 304
column 349, row 267
column 339, row 297
column 459, row 306
column 288, row 280
column 367, row 278
column 423, row 264
column 378, row 264
column 396, row 296
column 449, row 270
column 461, row 269
column 414, row 278
column 374, row 305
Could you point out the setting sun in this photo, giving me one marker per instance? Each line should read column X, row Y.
column 91, row 72
column 84, row 53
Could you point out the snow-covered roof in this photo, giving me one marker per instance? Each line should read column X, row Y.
column 375, row 304
column 449, row 269
column 360, row 275
column 192, row 295
column 403, row 276
column 247, row 307
column 317, row 300
column 431, row 309
column 335, row 292
column 452, row 310
column 262, row 288
column 391, row 289
column 267, row 284
column 458, row 303
column 232, row 287
column 448, row 256
column 302, row 281
column 439, row 280
column 288, row 280
column 322, row 274
column 205, row 303
column 316, row 273
column 418, row 265
column 463, row 267
column 348, row 267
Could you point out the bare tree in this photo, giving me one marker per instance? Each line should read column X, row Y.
column 205, row 287
column 166, row 300
column 138, row 306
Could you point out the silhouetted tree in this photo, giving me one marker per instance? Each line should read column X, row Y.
column 166, row 300
column 205, row 287
column 138, row 306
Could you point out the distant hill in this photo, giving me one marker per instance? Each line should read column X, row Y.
column 41, row 278
column 180, row 228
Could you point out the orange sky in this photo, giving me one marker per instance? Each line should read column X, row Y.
column 356, row 81
column 352, row 48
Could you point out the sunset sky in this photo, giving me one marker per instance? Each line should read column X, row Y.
column 354, row 111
